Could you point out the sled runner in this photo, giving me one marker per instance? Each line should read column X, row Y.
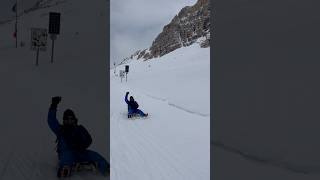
column 136, row 116
column 86, row 166
column 67, row 171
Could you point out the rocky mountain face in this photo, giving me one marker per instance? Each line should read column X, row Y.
column 190, row 25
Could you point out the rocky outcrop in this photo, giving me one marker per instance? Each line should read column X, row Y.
column 187, row 27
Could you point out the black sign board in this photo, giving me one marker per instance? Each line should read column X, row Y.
column 54, row 23
column 127, row 68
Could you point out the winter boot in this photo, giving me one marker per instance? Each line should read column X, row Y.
column 106, row 173
column 65, row 171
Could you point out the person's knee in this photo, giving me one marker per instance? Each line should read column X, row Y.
column 94, row 155
column 140, row 112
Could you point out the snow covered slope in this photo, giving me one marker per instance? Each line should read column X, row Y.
column 174, row 141
column 78, row 74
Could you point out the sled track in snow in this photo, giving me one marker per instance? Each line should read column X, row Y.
column 23, row 166
column 141, row 148
column 177, row 106
column 5, row 165
column 267, row 161
column 189, row 111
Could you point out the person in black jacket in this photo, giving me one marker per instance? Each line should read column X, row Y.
column 133, row 107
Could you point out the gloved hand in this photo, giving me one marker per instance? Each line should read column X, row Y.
column 55, row 101
column 127, row 92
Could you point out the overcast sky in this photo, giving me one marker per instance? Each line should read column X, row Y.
column 134, row 24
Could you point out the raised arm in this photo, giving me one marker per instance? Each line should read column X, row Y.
column 52, row 115
column 126, row 98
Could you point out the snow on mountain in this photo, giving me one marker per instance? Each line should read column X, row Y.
column 78, row 74
column 191, row 25
column 174, row 141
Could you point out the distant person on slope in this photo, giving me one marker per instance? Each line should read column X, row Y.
column 133, row 107
column 72, row 142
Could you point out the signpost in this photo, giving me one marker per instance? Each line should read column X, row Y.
column 126, row 70
column 121, row 74
column 15, row 9
column 54, row 29
column 38, row 41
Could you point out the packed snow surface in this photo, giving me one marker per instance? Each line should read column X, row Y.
column 78, row 74
column 174, row 141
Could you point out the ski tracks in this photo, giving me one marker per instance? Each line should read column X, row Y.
column 141, row 152
column 168, row 158
column 138, row 152
column 24, row 167
column 175, row 105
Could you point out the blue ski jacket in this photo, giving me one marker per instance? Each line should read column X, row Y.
column 132, row 106
column 55, row 127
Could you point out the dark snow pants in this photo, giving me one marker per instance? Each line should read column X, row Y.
column 136, row 111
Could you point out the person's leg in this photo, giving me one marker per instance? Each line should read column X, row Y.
column 130, row 113
column 92, row 156
column 66, row 161
column 141, row 113
column 66, row 158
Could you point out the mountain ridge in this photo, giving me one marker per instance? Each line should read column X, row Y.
column 191, row 25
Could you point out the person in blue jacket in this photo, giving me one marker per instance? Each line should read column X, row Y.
column 133, row 107
column 68, row 153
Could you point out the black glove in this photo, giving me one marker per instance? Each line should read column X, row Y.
column 55, row 101
column 127, row 92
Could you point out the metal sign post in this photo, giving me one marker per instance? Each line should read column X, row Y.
column 54, row 29
column 121, row 74
column 52, row 37
column 126, row 70
column 37, row 58
column 15, row 34
column 16, row 25
column 38, row 41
